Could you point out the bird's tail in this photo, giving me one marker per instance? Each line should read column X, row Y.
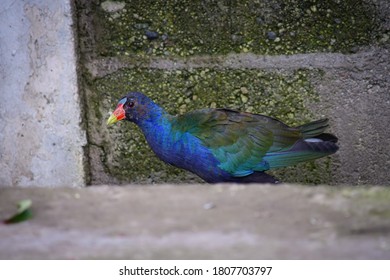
column 315, row 144
column 316, row 130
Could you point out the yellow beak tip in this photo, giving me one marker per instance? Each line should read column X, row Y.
column 112, row 119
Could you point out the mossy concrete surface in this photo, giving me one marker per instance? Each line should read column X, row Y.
column 198, row 221
column 351, row 90
column 282, row 95
column 293, row 60
column 185, row 28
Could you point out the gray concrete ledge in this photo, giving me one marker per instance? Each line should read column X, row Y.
column 198, row 221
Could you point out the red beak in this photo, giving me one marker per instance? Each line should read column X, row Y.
column 117, row 115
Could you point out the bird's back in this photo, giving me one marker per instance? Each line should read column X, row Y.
column 243, row 142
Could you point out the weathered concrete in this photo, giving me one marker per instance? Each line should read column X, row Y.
column 199, row 221
column 358, row 102
column 353, row 91
column 40, row 118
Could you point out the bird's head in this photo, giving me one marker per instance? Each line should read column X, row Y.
column 135, row 106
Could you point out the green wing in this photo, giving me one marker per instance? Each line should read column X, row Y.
column 238, row 140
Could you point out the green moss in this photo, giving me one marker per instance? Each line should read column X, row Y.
column 185, row 28
column 376, row 195
column 372, row 202
column 281, row 95
column 317, row 172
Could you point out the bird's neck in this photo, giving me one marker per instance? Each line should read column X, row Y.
column 155, row 117
column 157, row 130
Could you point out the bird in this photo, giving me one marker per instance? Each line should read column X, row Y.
column 224, row 145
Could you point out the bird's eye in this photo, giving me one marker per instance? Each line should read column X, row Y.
column 130, row 104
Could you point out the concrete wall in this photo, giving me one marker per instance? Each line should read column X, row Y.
column 41, row 137
column 294, row 60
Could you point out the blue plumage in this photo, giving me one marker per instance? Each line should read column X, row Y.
column 221, row 145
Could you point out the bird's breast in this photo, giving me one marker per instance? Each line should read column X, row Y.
column 182, row 150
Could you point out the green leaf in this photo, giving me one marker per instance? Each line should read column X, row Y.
column 22, row 214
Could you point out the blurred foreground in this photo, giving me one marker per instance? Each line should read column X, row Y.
column 198, row 222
